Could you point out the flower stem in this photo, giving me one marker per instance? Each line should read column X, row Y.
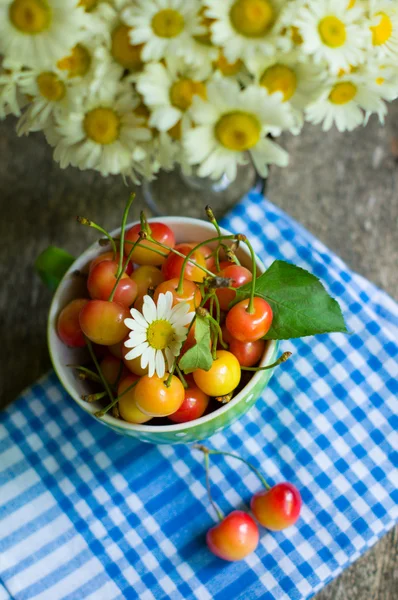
column 188, row 256
column 283, row 358
column 206, row 451
column 214, row 505
column 122, row 232
column 84, row 221
column 167, row 383
column 250, row 308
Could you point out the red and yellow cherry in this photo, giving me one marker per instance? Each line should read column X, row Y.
column 143, row 254
column 247, row 353
column 193, row 407
column 103, row 322
column 117, row 349
column 249, row 327
column 222, row 377
column 109, row 256
column 235, row 537
column 146, row 276
column 68, row 326
column 239, row 275
column 207, row 253
column 190, row 292
column 133, row 364
column 155, row 399
column 102, row 279
column 223, row 265
column 112, row 368
column 172, row 266
column 127, row 405
column 278, row 507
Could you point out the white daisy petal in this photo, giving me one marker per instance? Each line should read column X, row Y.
column 160, row 364
column 169, row 358
column 149, row 309
column 161, row 307
column 137, row 351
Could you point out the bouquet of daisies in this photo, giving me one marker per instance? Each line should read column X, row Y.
column 134, row 86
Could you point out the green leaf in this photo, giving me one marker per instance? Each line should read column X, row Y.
column 199, row 356
column 300, row 304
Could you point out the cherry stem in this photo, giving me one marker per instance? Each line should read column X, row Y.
column 283, row 358
column 180, row 254
column 214, row 505
column 103, row 411
column 208, row 451
column 181, row 376
column 250, row 308
column 93, row 397
column 84, row 221
column 213, row 221
column 95, row 361
column 191, row 252
column 87, row 373
column 217, row 328
column 146, row 248
column 120, row 275
column 122, row 232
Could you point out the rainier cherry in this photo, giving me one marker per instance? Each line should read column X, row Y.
column 235, row 537
column 127, row 405
column 103, row 322
column 112, row 368
column 68, row 326
column 193, row 407
column 249, row 327
column 222, row 377
column 173, row 265
column 102, row 279
column 109, row 256
column 143, row 254
column 239, row 275
column 155, row 399
column 278, row 507
column 190, row 292
column 247, row 353
column 146, row 276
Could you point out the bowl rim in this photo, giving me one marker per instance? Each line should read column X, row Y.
column 142, row 427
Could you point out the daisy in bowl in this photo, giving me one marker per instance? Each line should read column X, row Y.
column 245, row 28
column 231, row 127
column 164, row 27
column 334, row 33
column 168, row 90
column 384, row 28
column 39, row 32
column 103, row 133
column 347, row 102
column 157, row 333
column 300, row 83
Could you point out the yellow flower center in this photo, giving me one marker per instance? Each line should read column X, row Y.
column 332, row 32
column 160, row 334
column 77, row 63
column 102, row 125
column 30, row 16
column 183, row 91
column 204, row 38
column 168, row 23
column 175, row 131
column 238, row 131
column 296, row 36
column 252, row 18
column 351, row 4
column 382, row 32
column 123, row 51
column 380, row 80
column 280, row 78
column 343, row 92
column 228, row 69
column 88, row 4
column 50, row 87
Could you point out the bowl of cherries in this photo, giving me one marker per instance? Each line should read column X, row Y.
column 168, row 331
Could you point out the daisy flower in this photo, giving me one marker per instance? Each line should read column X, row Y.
column 103, row 134
column 157, row 333
column 298, row 82
column 164, row 27
column 231, row 123
column 11, row 99
column 384, row 28
column 334, row 34
column 39, row 32
column 246, row 27
column 168, row 90
column 347, row 102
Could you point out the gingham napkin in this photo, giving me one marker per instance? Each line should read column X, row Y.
column 88, row 514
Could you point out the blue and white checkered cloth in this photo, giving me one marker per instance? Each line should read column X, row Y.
column 85, row 513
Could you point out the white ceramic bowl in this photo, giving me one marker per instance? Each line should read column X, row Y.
column 72, row 286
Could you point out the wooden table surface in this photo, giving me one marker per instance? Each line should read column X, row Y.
column 343, row 188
